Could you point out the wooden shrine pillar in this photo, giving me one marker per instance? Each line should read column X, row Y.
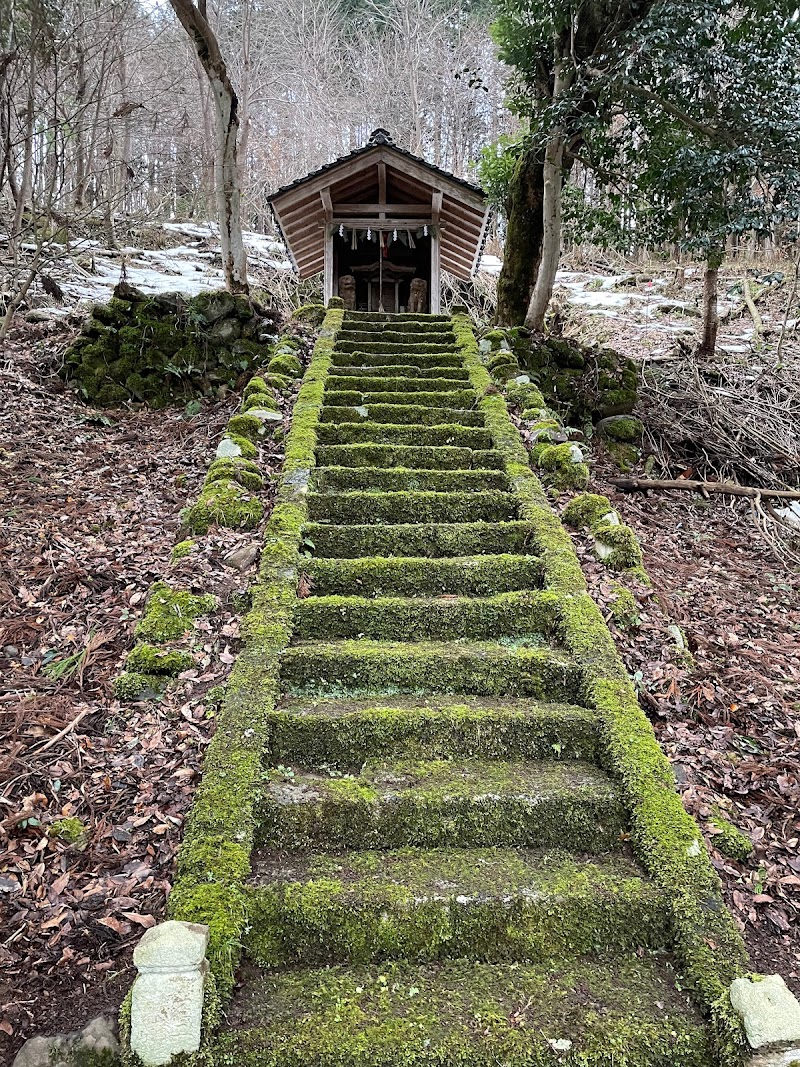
column 325, row 195
column 435, row 298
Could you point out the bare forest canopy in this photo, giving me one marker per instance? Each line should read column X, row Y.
column 104, row 106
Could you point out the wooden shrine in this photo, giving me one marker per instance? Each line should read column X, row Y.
column 382, row 224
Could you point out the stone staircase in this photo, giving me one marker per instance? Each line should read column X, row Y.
column 443, row 871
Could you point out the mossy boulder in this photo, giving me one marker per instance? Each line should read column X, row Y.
column 165, row 349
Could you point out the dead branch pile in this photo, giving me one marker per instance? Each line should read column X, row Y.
column 731, row 420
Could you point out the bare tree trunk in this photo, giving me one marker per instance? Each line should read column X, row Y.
column 226, row 135
column 551, row 212
column 708, row 341
column 551, row 233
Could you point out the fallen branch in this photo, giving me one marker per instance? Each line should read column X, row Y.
column 61, row 733
column 751, row 307
column 730, row 488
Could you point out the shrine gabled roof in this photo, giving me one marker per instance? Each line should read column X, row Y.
column 300, row 210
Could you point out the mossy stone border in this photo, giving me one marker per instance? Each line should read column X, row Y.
column 666, row 839
column 214, row 858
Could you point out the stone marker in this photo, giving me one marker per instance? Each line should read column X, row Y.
column 167, row 999
column 770, row 1012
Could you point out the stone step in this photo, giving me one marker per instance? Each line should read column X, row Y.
column 624, row 1010
column 415, row 345
column 341, row 733
column 370, row 383
column 509, row 667
column 442, row 803
column 398, row 479
column 488, row 904
column 417, row 414
column 432, row 540
column 366, row 508
column 347, row 433
column 452, row 398
column 388, row 359
column 434, row 457
column 421, row 576
column 402, row 370
column 443, row 336
column 404, row 320
column 529, row 613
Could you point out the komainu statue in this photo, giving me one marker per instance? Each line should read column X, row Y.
column 347, row 291
column 418, row 298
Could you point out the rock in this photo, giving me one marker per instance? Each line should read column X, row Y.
column 770, row 1012
column 242, row 558
column 227, row 449
column 37, row 316
column 214, row 306
column 225, row 330
column 787, row 1058
column 62, row 1050
column 126, row 291
column 625, row 428
column 167, row 998
column 264, row 415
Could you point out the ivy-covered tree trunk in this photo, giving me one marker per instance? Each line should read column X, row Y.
column 523, row 247
column 708, row 341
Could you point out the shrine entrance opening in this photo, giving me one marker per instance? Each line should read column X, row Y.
column 381, row 224
column 374, row 270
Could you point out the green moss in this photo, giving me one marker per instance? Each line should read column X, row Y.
column 247, row 449
column 587, row 510
column 375, row 507
column 246, row 426
column 624, row 609
column 288, row 365
column 561, row 462
column 70, row 831
column 130, row 686
column 624, row 456
column 617, row 546
column 280, row 382
column 331, row 733
column 256, row 385
column 310, row 314
column 625, row 428
column 260, row 401
column 729, row 839
column 235, row 469
column 224, row 502
column 170, row 612
column 409, row 539
column 362, row 666
column 443, row 803
column 182, row 550
column 421, row 904
column 148, row 659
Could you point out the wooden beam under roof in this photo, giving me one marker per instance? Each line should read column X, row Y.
column 368, row 209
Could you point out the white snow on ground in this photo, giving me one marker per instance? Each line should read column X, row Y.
column 88, row 272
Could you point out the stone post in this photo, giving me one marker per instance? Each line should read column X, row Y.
column 167, row 998
column 771, row 1017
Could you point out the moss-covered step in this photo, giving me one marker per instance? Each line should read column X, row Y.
column 402, row 370
column 434, row 457
column 431, row 540
column 401, row 479
column 332, row 732
column 389, row 359
column 420, row 576
column 523, row 666
column 414, row 346
column 624, row 1011
column 422, row 618
column 383, row 384
column 438, row 335
column 367, row 508
column 420, row 415
column 405, row 320
column 455, row 399
column 428, row 904
column 442, row 803
column 347, row 433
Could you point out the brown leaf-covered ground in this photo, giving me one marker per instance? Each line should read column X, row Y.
column 90, row 505
column 90, row 515
column 731, row 723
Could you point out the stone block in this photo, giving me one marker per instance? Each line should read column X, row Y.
column 167, row 999
column 769, row 1011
